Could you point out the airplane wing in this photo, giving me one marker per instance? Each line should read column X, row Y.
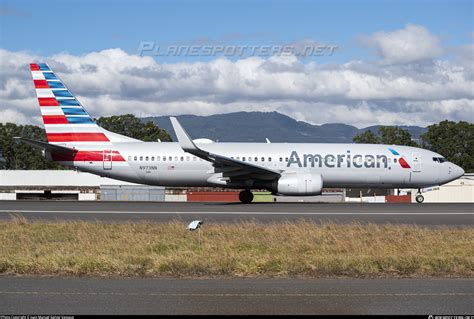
column 232, row 167
column 46, row 146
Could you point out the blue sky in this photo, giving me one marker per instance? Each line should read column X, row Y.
column 78, row 27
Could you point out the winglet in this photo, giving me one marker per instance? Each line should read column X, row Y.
column 188, row 146
column 183, row 138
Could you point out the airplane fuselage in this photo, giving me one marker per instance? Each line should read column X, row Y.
column 340, row 165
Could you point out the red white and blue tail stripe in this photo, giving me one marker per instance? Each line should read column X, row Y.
column 66, row 121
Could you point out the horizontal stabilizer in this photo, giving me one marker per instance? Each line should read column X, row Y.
column 46, row 146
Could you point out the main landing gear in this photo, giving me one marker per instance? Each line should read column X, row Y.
column 419, row 198
column 246, row 196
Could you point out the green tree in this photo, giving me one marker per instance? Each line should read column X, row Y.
column 131, row 126
column 385, row 135
column 367, row 137
column 3, row 162
column 395, row 135
column 20, row 155
column 455, row 141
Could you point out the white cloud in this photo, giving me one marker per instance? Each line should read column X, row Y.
column 411, row 44
column 465, row 57
column 357, row 92
column 14, row 117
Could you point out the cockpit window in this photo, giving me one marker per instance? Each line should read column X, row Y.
column 435, row 159
column 439, row 159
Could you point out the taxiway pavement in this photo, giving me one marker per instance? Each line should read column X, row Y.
column 43, row 295
column 419, row 214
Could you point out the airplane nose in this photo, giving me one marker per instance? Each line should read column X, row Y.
column 458, row 171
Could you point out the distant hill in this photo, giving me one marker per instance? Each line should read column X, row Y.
column 256, row 126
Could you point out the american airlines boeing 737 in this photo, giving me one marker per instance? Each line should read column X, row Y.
column 75, row 140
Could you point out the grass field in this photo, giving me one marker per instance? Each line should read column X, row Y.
column 235, row 250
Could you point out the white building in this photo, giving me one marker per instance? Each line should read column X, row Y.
column 69, row 184
column 457, row 191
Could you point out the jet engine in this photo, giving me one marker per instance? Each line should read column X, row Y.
column 299, row 184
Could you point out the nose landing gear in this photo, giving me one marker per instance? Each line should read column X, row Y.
column 246, row 196
column 419, row 198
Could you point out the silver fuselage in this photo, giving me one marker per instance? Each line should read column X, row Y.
column 340, row 165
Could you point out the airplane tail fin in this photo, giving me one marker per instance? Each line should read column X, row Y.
column 65, row 120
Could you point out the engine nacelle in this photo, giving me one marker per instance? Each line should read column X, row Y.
column 300, row 184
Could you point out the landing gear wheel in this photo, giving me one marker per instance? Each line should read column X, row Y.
column 419, row 198
column 246, row 196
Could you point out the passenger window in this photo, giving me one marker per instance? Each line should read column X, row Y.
column 146, row 158
column 250, row 159
column 170, row 158
column 141, row 158
column 194, row 158
column 157, row 158
column 269, row 159
column 129, row 158
column 286, row 159
column 187, row 158
column 394, row 160
column 182, row 159
column 263, row 159
column 243, row 159
column 281, row 159
column 135, row 158
column 255, row 159
column 152, row 158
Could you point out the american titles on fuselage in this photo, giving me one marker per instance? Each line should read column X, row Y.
column 337, row 160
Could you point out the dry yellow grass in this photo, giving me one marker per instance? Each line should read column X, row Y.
column 238, row 250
